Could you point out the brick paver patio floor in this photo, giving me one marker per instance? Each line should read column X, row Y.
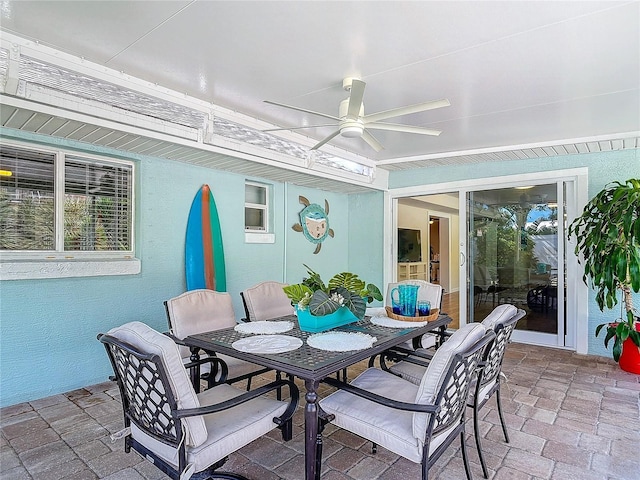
column 570, row 417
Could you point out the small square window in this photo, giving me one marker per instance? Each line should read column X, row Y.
column 256, row 207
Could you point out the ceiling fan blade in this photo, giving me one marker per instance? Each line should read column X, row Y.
column 298, row 128
column 322, row 142
column 395, row 127
column 355, row 98
column 302, row 110
column 396, row 112
column 371, row 140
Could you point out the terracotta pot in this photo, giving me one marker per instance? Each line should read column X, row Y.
column 630, row 358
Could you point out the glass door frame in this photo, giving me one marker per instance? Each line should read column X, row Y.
column 560, row 338
column 576, row 196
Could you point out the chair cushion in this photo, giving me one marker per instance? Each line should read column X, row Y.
column 229, row 430
column 409, row 371
column 434, row 375
column 383, row 425
column 500, row 314
column 267, row 300
column 148, row 340
column 199, row 311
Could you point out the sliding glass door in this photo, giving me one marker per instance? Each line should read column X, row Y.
column 507, row 238
column 515, row 253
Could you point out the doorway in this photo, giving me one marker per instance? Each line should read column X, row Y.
column 430, row 221
column 510, row 249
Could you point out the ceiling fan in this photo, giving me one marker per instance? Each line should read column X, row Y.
column 352, row 122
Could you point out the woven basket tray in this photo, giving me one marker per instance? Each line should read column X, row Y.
column 429, row 318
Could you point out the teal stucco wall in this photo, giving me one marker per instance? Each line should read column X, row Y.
column 48, row 327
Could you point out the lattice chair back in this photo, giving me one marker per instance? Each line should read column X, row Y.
column 427, row 291
column 265, row 301
column 502, row 320
column 144, row 398
column 153, row 382
column 447, row 380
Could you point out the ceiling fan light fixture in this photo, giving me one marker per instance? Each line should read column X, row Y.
column 352, row 131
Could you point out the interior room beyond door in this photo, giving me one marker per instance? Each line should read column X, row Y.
column 513, row 256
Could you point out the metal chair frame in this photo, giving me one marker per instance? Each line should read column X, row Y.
column 447, row 410
column 148, row 402
column 489, row 370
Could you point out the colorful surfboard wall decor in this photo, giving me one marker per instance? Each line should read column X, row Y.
column 314, row 222
column 204, row 253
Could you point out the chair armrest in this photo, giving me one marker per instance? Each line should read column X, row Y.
column 245, row 397
column 175, row 339
column 211, row 358
column 374, row 397
column 217, row 365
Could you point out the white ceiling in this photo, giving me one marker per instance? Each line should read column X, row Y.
column 517, row 74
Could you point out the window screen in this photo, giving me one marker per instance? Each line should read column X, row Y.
column 27, row 200
column 95, row 211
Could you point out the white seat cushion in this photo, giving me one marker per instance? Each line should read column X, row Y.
column 146, row 339
column 229, row 430
column 500, row 314
column 385, row 426
column 409, row 371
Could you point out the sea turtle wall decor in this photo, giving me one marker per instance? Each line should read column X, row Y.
column 314, row 222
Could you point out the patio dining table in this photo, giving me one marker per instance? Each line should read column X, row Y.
column 313, row 364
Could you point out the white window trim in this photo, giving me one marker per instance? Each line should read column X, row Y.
column 34, row 269
column 260, row 236
column 59, row 264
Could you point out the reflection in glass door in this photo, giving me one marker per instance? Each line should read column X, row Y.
column 513, row 257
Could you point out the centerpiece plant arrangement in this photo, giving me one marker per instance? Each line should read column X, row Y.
column 343, row 290
column 608, row 238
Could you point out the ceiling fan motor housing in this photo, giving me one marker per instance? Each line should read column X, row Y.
column 350, row 127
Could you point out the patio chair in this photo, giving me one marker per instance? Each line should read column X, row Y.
column 417, row 422
column 181, row 432
column 199, row 311
column 266, row 301
column 502, row 321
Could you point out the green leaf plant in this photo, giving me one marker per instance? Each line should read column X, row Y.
column 343, row 290
column 608, row 244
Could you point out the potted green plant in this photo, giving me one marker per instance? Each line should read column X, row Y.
column 608, row 240
column 322, row 306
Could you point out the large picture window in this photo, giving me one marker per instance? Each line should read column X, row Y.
column 55, row 204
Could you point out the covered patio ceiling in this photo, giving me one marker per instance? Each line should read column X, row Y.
column 524, row 79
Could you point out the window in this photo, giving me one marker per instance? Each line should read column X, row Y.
column 256, row 213
column 56, row 205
